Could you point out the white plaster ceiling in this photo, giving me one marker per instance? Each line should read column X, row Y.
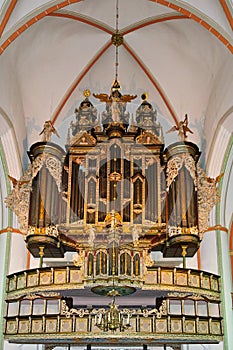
column 180, row 52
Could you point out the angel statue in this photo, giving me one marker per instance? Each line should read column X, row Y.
column 182, row 128
column 216, row 180
column 48, row 130
column 17, row 185
column 115, row 103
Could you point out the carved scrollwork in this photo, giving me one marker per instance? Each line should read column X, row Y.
column 148, row 259
column 44, row 295
column 69, row 312
column 191, row 296
column 19, row 198
column 158, row 313
column 162, row 311
column 83, row 138
column 179, row 295
column 147, row 138
column 50, row 230
column 78, row 259
column 208, row 196
column 53, row 165
column 176, row 163
column 174, row 230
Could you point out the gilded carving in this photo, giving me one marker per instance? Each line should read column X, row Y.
column 23, row 326
column 176, row 163
column 174, row 230
column 208, row 196
column 51, row 326
column 53, row 165
column 148, row 259
column 148, row 138
column 176, row 326
column 216, row 327
column 86, row 115
column 113, row 246
column 158, row 313
column 182, row 128
column 162, row 311
column 37, row 326
column 48, row 130
column 66, row 325
column 83, row 139
column 190, row 327
column 11, row 327
column 19, row 198
column 78, row 258
column 50, row 230
column 192, row 296
column 69, row 312
column 203, row 327
column 50, row 295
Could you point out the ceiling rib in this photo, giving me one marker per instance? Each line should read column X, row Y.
column 85, row 19
column 198, row 19
column 227, row 12
column 78, row 80
column 7, row 15
column 91, row 64
column 39, row 15
column 166, row 3
column 152, row 20
column 153, row 81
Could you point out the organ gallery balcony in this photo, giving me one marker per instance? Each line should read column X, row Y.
column 47, row 304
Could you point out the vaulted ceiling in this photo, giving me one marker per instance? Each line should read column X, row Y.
column 180, row 52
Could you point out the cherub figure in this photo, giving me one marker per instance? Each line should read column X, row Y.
column 215, row 180
column 182, row 128
column 48, row 130
column 17, row 184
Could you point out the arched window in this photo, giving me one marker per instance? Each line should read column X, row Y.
column 125, row 264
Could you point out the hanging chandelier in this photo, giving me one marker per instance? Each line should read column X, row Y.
column 113, row 319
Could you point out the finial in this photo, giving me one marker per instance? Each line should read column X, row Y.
column 68, row 137
column 144, row 96
column 116, row 85
column 86, row 93
column 182, row 128
column 48, row 130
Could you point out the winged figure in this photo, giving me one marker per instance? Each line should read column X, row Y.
column 102, row 97
column 17, row 183
column 128, row 98
column 108, row 99
column 48, row 130
column 182, row 128
column 215, row 180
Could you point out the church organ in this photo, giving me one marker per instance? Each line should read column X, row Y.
column 121, row 168
column 112, row 197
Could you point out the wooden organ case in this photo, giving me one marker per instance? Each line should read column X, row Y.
column 111, row 198
column 118, row 168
